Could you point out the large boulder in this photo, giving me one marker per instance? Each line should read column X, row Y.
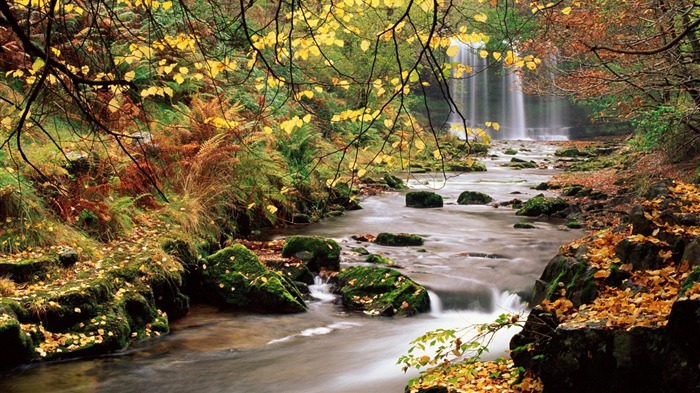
column 317, row 252
column 238, row 278
column 569, row 275
column 381, row 291
column 423, row 199
column 473, row 198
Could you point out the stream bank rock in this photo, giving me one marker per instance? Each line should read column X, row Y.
column 381, row 291
column 619, row 311
column 541, row 205
column 423, row 199
column 237, row 278
column 317, row 252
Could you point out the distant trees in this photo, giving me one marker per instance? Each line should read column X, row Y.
column 637, row 60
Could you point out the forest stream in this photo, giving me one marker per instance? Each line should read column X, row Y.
column 474, row 262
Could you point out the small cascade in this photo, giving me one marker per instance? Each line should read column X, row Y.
column 506, row 302
column 494, row 93
column 321, row 290
column 435, row 304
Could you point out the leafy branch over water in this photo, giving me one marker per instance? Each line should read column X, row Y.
column 454, row 357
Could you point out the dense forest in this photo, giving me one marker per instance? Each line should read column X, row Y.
column 171, row 129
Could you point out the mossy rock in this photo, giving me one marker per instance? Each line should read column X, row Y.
column 510, row 151
column 239, row 279
column 30, row 269
column 523, row 225
column 316, row 252
column 16, row 344
column 473, row 166
column 360, row 250
column 398, row 239
column 572, row 275
column 570, row 152
column 540, row 205
column 381, row 291
column 79, row 300
column 519, row 163
column 473, row 198
column 574, row 225
column 423, row 199
column 380, row 259
column 295, row 271
column 393, row 181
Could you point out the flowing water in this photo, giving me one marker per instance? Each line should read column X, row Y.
column 491, row 93
column 474, row 263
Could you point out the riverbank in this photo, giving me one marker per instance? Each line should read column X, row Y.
column 616, row 311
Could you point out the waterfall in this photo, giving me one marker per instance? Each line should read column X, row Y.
column 494, row 93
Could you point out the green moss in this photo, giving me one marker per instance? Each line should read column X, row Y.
column 574, row 225
column 239, row 279
column 540, row 205
column 380, row 259
column 510, row 151
column 381, row 291
column 393, row 181
column 29, row 269
column 398, row 239
column 316, row 252
column 523, row 225
column 693, row 277
column 519, row 163
column 15, row 343
column 423, row 199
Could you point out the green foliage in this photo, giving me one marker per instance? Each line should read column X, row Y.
column 443, row 348
column 654, row 127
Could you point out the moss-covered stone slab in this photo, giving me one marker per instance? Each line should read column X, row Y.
column 239, row 279
column 473, row 198
column 423, row 199
column 381, row 291
column 317, row 252
column 541, row 205
column 29, row 269
column 398, row 239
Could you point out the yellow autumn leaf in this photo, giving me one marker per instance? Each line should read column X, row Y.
column 179, row 79
column 361, row 172
column 129, row 76
column 166, row 5
column 452, row 51
column 271, row 208
column 38, row 64
column 480, row 18
column 496, row 56
column 495, row 126
column 437, row 154
column 419, row 144
column 566, row 11
column 307, row 118
column 483, row 54
column 364, row 45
